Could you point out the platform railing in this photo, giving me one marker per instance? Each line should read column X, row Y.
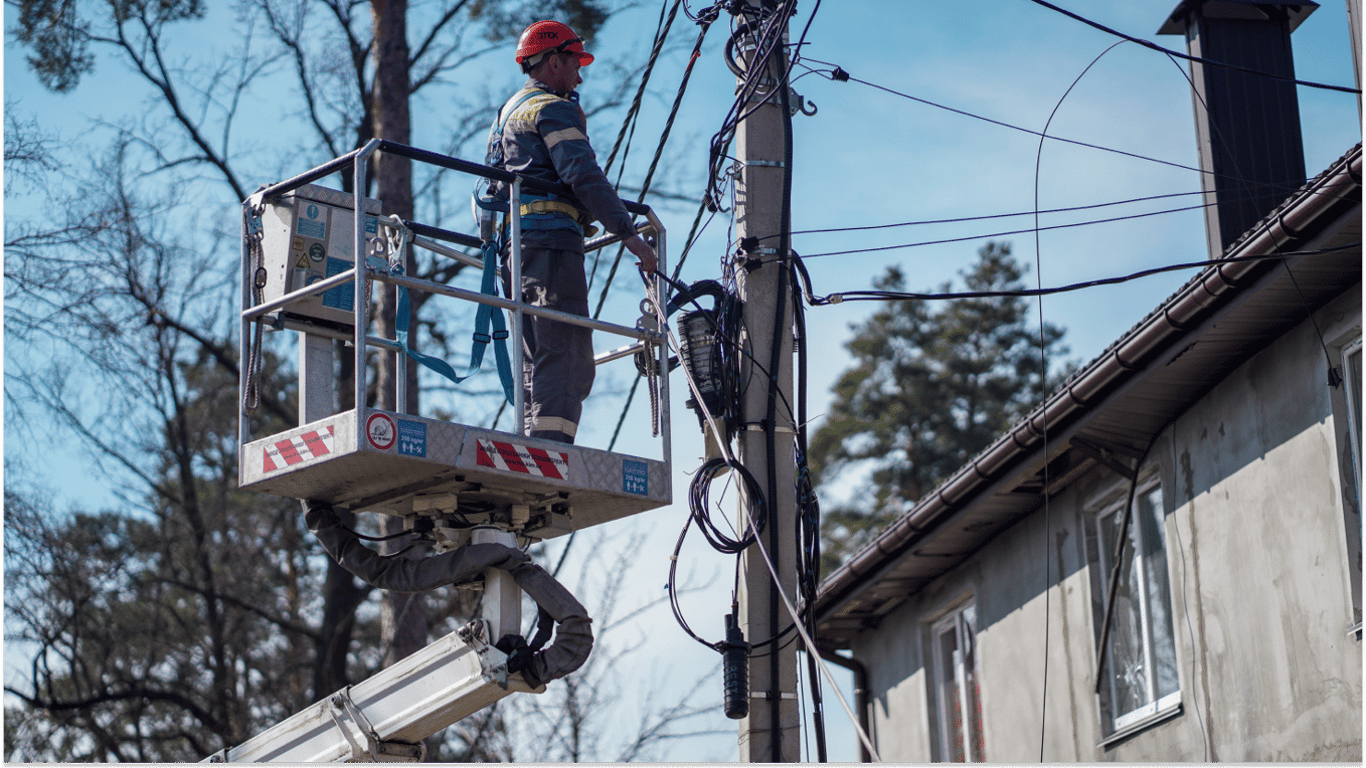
column 430, row 238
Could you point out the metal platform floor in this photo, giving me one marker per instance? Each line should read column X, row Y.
column 407, row 465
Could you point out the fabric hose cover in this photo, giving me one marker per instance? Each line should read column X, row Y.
column 399, row 574
column 573, row 633
column 573, row 628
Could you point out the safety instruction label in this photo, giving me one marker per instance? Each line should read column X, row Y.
column 511, row 457
column 635, row 477
column 412, row 438
column 314, row 229
column 290, row 451
column 342, row 297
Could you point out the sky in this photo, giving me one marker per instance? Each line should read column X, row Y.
column 868, row 157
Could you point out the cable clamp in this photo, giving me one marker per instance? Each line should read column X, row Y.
column 763, row 427
column 770, row 696
column 767, row 163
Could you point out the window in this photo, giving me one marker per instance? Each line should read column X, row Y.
column 1139, row 677
column 1350, row 453
column 1351, row 374
column 957, row 696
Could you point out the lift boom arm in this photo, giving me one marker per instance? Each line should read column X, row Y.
column 386, row 717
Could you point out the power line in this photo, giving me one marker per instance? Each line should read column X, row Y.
column 836, row 298
column 1188, row 57
column 1007, row 233
column 990, row 216
column 840, row 75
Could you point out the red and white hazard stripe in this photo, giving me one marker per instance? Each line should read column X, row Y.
column 309, row 445
column 510, row 457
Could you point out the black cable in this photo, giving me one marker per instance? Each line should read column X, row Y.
column 1188, row 57
column 836, row 298
column 699, row 504
column 633, row 112
column 1043, row 392
column 1008, row 233
column 659, row 149
column 842, row 76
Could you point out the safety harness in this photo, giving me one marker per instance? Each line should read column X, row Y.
column 486, row 316
column 539, row 210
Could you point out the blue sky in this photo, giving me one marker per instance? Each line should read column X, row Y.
column 868, row 157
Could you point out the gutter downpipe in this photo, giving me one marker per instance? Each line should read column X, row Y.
column 860, row 694
column 1126, row 358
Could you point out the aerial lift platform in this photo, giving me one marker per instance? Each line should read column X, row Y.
column 457, row 484
column 393, row 462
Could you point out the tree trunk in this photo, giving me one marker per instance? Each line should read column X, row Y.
column 403, row 616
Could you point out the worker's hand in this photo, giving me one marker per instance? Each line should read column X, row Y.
column 649, row 262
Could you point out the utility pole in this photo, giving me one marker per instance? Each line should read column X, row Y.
column 771, row 731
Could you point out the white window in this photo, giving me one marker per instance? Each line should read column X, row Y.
column 1352, row 399
column 1351, row 374
column 1139, row 676
column 957, row 695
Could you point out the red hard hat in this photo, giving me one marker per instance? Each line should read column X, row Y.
column 551, row 36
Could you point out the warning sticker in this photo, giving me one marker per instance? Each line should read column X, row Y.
column 379, row 428
column 302, row 263
column 511, row 457
column 290, row 451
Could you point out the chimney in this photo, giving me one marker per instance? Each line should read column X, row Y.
column 1354, row 30
column 1247, row 125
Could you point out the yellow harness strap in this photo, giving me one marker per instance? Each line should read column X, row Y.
column 555, row 206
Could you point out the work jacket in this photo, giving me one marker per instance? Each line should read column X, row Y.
column 545, row 137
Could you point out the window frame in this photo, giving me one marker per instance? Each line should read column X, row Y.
column 1352, row 396
column 954, row 683
column 1157, row 706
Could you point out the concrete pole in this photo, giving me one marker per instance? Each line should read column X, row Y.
column 771, row 731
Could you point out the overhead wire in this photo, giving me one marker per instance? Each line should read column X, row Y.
column 1043, row 393
column 1005, row 233
column 632, row 117
column 840, row 75
column 836, row 298
column 1188, row 57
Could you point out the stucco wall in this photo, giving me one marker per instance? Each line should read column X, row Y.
column 1261, row 597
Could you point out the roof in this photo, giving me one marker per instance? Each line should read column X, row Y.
column 1117, row 403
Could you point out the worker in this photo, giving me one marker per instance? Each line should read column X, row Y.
column 541, row 132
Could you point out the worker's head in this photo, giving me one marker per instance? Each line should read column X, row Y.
column 552, row 53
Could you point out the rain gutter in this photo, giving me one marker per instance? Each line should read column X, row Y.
column 1288, row 227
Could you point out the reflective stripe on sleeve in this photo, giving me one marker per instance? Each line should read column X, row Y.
column 567, row 134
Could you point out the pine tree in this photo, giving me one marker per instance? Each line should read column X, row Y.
column 931, row 387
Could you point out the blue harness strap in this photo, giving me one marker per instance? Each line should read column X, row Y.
column 487, row 315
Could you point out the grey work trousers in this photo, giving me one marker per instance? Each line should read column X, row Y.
column 557, row 358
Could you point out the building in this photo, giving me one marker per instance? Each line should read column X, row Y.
column 1219, row 439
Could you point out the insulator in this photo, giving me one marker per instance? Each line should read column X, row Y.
column 735, row 663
